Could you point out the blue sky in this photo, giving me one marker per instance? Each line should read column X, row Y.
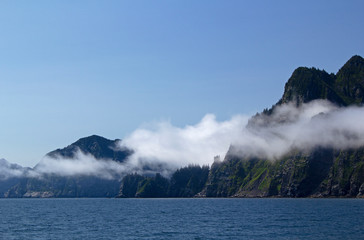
column 70, row 69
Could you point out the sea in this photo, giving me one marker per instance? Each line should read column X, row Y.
column 181, row 218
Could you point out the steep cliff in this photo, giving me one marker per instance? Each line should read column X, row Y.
column 318, row 172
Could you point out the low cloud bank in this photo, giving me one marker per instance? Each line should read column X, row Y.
column 9, row 170
column 176, row 147
column 81, row 164
column 315, row 124
column 163, row 147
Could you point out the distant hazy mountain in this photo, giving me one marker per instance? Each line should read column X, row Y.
column 10, row 175
column 8, row 170
column 98, row 147
column 54, row 185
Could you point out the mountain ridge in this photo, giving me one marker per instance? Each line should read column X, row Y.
column 318, row 172
column 344, row 88
column 321, row 172
column 97, row 146
column 83, row 185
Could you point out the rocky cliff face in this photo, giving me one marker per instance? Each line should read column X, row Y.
column 319, row 173
column 349, row 81
column 345, row 176
column 315, row 173
column 344, row 88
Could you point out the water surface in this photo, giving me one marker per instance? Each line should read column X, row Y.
column 182, row 218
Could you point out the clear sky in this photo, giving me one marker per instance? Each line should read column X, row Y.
column 70, row 69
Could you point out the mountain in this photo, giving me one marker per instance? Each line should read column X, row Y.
column 78, row 185
column 308, row 84
column 315, row 172
column 349, row 81
column 10, row 170
column 320, row 172
column 10, row 175
column 345, row 88
column 98, row 147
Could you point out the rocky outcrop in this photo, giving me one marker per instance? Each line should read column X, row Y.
column 306, row 173
column 344, row 88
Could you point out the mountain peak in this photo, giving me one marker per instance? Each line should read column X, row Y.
column 344, row 88
column 97, row 146
column 350, row 81
column 354, row 61
column 307, row 84
column 354, row 65
column 88, row 142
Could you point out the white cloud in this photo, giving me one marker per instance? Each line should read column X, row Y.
column 8, row 170
column 81, row 164
column 316, row 124
column 176, row 147
column 164, row 147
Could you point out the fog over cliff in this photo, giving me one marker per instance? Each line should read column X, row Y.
column 164, row 147
column 315, row 124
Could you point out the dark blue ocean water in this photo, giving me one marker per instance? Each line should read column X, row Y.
column 182, row 219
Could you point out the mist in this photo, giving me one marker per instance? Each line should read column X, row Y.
column 192, row 144
column 81, row 165
column 162, row 147
column 315, row 124
column 9, row 170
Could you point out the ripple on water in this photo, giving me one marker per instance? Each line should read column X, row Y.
column 182, row 218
